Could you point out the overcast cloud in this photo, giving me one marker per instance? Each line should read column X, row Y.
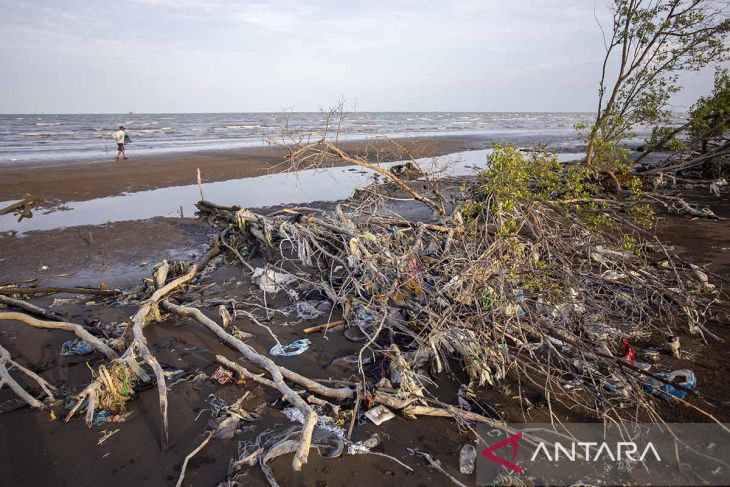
column 78, row 56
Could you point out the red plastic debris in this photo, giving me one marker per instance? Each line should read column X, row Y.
column 628, row 351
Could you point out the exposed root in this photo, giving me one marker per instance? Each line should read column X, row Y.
column 7, row 364
column 39, row 291
column 78, row 330
column 277, row 379
column 30, row 308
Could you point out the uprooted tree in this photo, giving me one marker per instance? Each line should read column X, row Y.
column 522, row 279
column 528, row 279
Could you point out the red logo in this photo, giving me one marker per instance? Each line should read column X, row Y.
column 512, row 440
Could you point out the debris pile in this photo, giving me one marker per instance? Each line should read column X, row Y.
column 520, row 296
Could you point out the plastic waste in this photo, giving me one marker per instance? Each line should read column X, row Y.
column 462, row 399
column 363, row 316
column 364, row 446
column 271, row 281
column 629, row 353
column 101, row 416
column 467, row 458
column 306, row 310
column 350, row 361
column 294, row 348
column 223, row 376
column 354, row 334
column 76, row 347
column 379, row 415
column 651, row 355
column 614, row 388
column 226, row 429
column 680, row 382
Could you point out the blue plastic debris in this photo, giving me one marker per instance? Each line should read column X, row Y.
column 294, row 348
column 101, row 417
column 683, row 379
column 76, row 347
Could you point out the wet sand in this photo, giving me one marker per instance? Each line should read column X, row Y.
column 70, row 180
column 40, row 451
column 122, row 254
column 60, row 181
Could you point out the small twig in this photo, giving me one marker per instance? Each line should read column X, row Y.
column 437, row 465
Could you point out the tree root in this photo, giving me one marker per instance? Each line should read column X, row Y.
column 37, row 291
column 30, row 308
column 6, row 363
column 78, row 330
column 149, row 312
column 277, row 378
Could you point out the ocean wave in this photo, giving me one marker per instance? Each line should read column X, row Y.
column 48, row 123
column 232, row 128
column 45, row 134
column 151, row 131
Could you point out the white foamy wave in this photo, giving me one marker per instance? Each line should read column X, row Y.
column 152, row 131
column 44, row 134
column 241, row 127
column 47, row 123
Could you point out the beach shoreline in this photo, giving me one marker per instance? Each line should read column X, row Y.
column 73, row 180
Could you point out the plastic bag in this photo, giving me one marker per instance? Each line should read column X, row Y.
column 271, row 281
column 295, row 348
column 681, row 381
column 76, row 347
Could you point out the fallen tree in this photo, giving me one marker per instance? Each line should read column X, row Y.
column 523, row 279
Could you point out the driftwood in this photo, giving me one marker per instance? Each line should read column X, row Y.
column 520, row 294
column 37, row 291
column 232, row 416
column 22, row 208
column 77, row 330
column 30, row 308
column 6, row 362
column 276, row 373
column 449, row 277
column 148, row 313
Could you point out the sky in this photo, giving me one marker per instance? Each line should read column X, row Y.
column 88, row 56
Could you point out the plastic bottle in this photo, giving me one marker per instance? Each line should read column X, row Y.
column 467, row 458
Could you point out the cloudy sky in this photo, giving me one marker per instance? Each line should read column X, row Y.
column 79, row 56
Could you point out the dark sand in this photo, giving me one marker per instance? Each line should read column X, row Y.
column 37, row 450
column 70, row 180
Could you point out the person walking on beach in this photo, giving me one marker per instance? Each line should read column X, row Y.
column 120, row 137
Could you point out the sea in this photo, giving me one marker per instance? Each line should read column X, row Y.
column 38, row 137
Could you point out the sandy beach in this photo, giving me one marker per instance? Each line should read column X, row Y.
column 123, row 253
column 72, row 180
column 357, row 244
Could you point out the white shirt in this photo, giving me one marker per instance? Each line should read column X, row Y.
column 119, row 136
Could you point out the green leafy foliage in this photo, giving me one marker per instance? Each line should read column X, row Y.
column 514, row 176
column 650, row 42
column 710, row 115
column 517, row 178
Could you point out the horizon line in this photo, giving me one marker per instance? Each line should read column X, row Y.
column 303, row 111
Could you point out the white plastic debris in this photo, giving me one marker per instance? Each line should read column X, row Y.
column 379, row 415
column 271, row 281
column 467, row 459
column 364, row 446
column 294, row 348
